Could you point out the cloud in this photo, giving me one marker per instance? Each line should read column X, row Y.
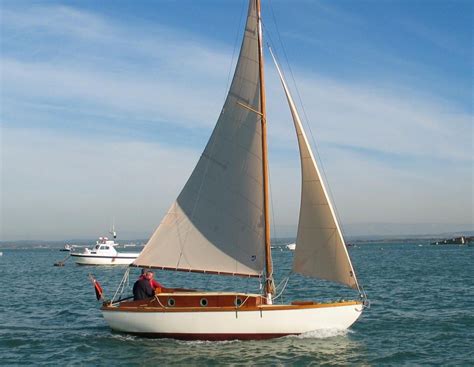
column 385, row 120
column 103, row 119
column 391, row 119
column 96, row 66
column 58, row 186
column 100, row 92
column 390, row 154
column 441, row 39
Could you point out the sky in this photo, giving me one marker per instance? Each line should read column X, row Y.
column 105, row 108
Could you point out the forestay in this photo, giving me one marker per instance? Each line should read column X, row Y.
column 216, row 224
column 320, row 249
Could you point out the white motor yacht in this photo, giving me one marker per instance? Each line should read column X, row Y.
column 291, row 246
column 104, row 253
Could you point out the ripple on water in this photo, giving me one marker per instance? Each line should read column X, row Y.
column 421, row 314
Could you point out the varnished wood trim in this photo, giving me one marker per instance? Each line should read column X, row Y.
column 208, row 294
column 146, row 308
column 250, row 108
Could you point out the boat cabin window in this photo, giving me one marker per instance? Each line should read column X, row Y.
column 105, row 247
column 96, row 247
column 238, row 301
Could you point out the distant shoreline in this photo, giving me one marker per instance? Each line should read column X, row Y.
column 53, row 244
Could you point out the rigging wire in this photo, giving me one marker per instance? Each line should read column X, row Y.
column 273, row 210
column 285, row 283
column 306, row 120
column 121, row 287
column 324, row 175
column 274, row 229
column 237, row 33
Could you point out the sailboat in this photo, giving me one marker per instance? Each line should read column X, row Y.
column 220, row 224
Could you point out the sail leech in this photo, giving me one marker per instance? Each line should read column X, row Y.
column 215, row 224
column 320, row 248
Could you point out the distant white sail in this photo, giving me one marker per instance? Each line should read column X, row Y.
column 217, row 224
column 320, row 249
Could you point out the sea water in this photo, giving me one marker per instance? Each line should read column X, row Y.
column 422, row 313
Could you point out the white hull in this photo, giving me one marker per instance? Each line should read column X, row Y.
column 268, row 321
column 122, row 259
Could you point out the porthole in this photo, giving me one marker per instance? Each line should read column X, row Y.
column 203, row 302
column 171, row 302
column 238, row 301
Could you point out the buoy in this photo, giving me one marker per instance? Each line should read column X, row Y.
column 61, row 263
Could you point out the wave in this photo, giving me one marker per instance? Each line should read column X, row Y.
column 322, row 334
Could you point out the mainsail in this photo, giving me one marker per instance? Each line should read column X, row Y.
column 216, row 224
column 320, row 249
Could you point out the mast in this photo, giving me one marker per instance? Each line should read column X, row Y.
column 269, row 289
